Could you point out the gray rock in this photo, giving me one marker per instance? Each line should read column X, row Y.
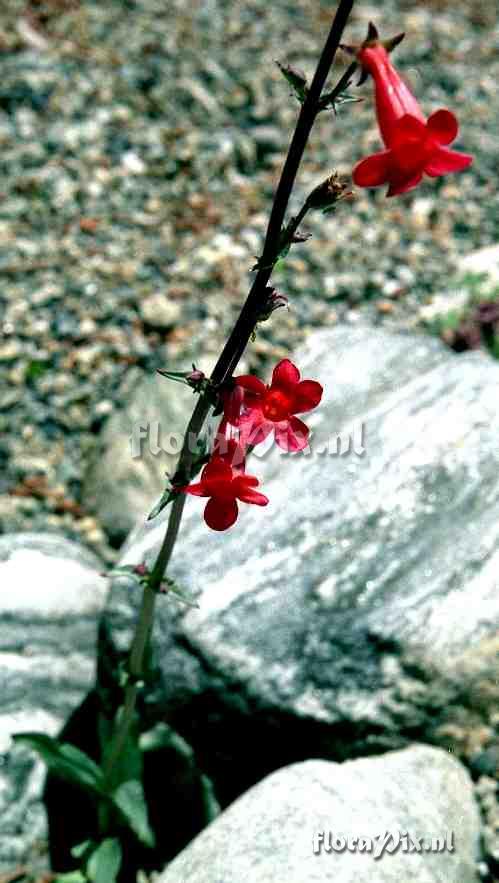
column 128, row 473
column 52, row 596
column 359, row 610
column 270, row 833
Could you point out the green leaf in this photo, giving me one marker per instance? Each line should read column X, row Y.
column 70, row 877
column 65, row 760
column 329, row 103
column 105, row 862
column 296, row 79
column 104, row 731
column 158, row 737
column 211, row 805
column 166, row 497
column 179, row 376
column 130, row 800
column 162, row 736
column 81, row 848
column 35, row 369
column 169, row 587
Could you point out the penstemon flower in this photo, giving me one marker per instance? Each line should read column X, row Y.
column 414, row 145
column 225, row 484
column 265, row 409
column 252, row 410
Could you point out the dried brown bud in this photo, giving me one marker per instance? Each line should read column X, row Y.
column 327, row 194
column 301, row 237
column 274, row 301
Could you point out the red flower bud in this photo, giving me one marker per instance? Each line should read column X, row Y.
column 195, row 376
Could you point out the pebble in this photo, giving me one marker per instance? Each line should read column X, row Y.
column 103, row 408
column 385, row 306
column 133, row 164
column 8, row 399
column 160, row 312
column 10, row 351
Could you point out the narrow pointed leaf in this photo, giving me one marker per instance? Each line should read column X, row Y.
column 65, row 760
column 166, row 497
column 172, row 589
column 105, row 862
column 130, row 800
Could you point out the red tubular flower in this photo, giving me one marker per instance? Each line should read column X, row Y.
column 414, row 145
column 232, row 400
column 225, row 485
column 268, row 408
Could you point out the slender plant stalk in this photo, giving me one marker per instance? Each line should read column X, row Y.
column 229, row 358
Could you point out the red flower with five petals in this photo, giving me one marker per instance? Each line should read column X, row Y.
column 267, row 408
column 414, row 145
column 225, row 485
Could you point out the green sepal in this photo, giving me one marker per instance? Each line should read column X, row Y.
column 334, row 102
column 167, row 496
column 169, row 587
column 296, row 79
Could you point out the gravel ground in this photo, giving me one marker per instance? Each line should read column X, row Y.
column 136, row 181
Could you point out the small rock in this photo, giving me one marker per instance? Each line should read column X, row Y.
column 160, row 312
column 421, row 210
column 133, row 164
column 10, row 351
column 103, row 408
column 8, row 399
column 385, row 306
column 89, row 225
column 88, row 327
